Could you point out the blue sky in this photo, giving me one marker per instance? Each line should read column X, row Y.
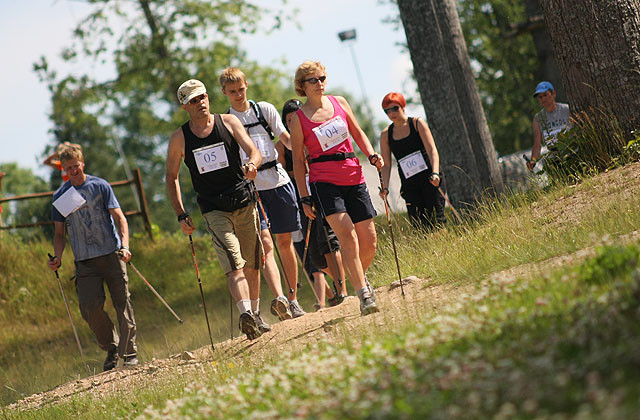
column 30, row 29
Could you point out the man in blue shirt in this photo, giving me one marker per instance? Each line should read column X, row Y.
column 101, row 252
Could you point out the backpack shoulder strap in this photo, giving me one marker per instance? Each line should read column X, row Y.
column 263, row 122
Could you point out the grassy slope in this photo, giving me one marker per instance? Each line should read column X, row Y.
column 552, row 341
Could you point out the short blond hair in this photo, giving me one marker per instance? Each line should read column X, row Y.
column 232, row 75
column 303, row 71
column 70, row 152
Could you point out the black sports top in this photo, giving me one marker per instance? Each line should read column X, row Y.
column 211, row 184
column 403, row 147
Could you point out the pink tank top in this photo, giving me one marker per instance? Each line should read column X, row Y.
column 338, row 172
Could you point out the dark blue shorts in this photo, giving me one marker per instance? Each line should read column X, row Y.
column 281, row 207
column 352, row 199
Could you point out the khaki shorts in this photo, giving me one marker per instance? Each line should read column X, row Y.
column 235, row 237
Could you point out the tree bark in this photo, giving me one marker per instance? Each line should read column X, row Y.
column 549, row 69
column 457, row 56
column 438, row 94
column 597, row 46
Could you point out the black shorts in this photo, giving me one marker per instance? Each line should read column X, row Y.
column 352, row 199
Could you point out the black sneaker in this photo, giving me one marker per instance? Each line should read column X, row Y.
column 336, row 299
column 112, row 359
column 262, row 326
column 249, row 326
column 130, row 361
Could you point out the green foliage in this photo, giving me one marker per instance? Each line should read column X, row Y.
column 609, row 263
column 506, row 68
column 140, row 52
column 20, row 181
column 595, row 143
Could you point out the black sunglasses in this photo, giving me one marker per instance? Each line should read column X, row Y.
column 197, row 99
column 314, row 80
column 391, row 109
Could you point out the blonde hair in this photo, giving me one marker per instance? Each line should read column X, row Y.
column 70, row 152
column 303, row 71
column 232, row 75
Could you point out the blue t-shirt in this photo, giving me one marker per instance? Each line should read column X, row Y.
column 92, row 231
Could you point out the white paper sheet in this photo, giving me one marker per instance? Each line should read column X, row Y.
column 69, row 202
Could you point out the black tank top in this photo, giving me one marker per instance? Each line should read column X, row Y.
column 404, row 147
column 211, row 184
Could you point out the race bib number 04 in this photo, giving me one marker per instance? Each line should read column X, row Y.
column 412, row 164
column 331, row 133
column 211, row 158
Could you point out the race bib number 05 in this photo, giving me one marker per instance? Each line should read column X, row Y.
column 331, row 133
column 211, row 158
column 412, row 164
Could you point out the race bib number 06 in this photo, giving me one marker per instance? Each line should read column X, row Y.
column 331, row 133
column 412, row 164
column 211, row 158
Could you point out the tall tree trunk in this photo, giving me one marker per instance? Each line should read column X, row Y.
column 457, row 56
column 549, row 69
column 438, row 93
column 597, row 46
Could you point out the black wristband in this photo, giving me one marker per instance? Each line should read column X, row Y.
column 182, row 216
column 125, row 247
column 435, row 173
column 307, row 200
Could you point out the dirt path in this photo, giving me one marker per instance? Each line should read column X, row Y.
column 333, row 324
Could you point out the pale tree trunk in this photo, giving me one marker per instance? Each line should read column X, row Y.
column 597, row 46
column 438, row 93
column 548, row 67
column 457, row 56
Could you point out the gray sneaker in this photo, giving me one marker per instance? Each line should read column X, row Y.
column 368, row 306
column 280, row 308
column 296, row 309
column 373, row 292
column 262, row 326
column 249, row 326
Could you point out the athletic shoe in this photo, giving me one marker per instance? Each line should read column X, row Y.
column 130, row 361
column 296, row 309
column 368, row 306
column 112, row 359
column 336, row 299
column 249, row 326
column 262, row 326
column 280, row 308
column 373, row 292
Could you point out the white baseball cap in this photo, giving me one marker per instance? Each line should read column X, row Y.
column 189, row 90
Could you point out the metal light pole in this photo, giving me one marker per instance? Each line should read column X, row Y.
column 350, row 35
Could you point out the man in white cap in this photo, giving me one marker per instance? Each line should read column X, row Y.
column 553, row 118
column 209, row 144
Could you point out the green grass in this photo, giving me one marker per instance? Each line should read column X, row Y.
column 554, row 341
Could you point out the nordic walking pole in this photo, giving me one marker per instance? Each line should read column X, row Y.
column 304, row 258
column 393, row 241
column 204, row 305
column 156, row 293
column 273, row 239
column 450, row 205
column 75, row 332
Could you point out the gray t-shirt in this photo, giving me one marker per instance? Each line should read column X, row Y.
column 552, row 123
column 92, row 231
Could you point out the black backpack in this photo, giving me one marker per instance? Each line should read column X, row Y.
column 261, row 119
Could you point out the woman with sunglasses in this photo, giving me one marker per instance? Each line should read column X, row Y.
column 411, row 142
column 325, row 125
